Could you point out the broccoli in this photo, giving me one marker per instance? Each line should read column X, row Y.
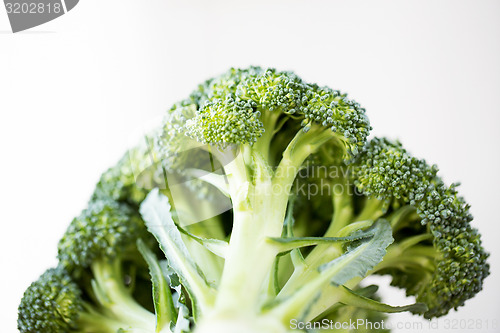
column 281, row 255
column 54, row 303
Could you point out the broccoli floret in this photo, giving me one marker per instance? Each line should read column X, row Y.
column 105, row 230
column 98, row 246
column 436, row 255
column 265, row 102
column 449, row 266
column 131, row 179
column 104, row 254
column 54, row 304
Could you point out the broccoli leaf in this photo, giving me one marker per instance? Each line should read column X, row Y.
column 162, row 296
column 285, row 245
column 358, row 260
column 216, row 246
column 156, row 213
column 350, row 297
column 360, row 257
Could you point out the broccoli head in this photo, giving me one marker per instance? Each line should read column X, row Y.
column 256, row 138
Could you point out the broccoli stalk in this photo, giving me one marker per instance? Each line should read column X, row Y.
column 258, row 214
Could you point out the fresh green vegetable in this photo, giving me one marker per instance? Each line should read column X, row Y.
column 316, row 208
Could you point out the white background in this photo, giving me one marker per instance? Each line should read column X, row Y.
column 75, row 92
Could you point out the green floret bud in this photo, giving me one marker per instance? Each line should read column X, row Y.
column 173, row 143
column 106, row 229
column 122, row 182
column 51, row 304
column 223, row 85
column 308, row 103
column 460, row 273
column 226, row 122
column 386, row 171
column 272, row 90
column 332, row 109
column 176, row 148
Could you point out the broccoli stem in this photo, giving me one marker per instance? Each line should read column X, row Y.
column 299, row 304
column 372, row 210
column 260, row 198
column 263, row 145
column 405, row 255
column 91, row 321
column 259, row 204
column 244, row 323
column 343, row 210
column 301, row 147
column 400, row 216
column 419, row 257
column 116, row 298
column 249, row 255
column 210, row 264
column 342, row 216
